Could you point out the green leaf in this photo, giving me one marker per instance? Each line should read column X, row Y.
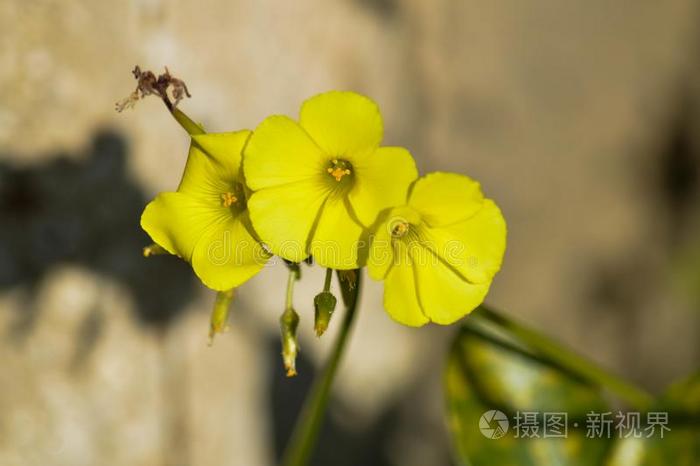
column 680, row 446
column 490, row 371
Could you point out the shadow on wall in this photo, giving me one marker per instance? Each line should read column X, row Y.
column 84, row 211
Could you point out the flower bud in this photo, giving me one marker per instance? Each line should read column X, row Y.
column 153, row 250
column 219, row 315
column 324, row 305
column 289, row 321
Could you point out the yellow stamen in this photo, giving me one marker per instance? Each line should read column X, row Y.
column 400, row 229
column 339, row 168
column 228, row 199
column 338, row 173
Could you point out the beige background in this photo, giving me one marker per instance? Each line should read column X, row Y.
column 565, row 111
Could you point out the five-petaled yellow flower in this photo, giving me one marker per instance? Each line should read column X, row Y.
column 319, row 183
column 206, row 221
column 438, row 253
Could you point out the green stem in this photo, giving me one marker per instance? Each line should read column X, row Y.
column 327, row 284
column 289, row 302
column 558, row 353
column 303, row 440
column 186, row 122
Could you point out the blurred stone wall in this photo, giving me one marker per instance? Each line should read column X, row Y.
column 580, row 118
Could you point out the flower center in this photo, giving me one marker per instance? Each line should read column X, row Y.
column 228, row 199
column 400, row 229
column 234, row 198
column 339, row 168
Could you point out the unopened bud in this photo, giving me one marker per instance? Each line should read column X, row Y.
column 289, row 321
column 324, row 305
column 219, row 315
column 153, row 250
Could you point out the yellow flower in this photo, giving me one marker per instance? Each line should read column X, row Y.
column 438, row 254
column 319, row 183
column 206, row 221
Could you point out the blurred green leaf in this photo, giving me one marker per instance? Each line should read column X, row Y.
column 680, row 446
column 490, row 370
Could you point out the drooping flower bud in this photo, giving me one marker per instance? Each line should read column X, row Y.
column 324, row 305
column 219, row 315
column 289, row 321
column 153, row 250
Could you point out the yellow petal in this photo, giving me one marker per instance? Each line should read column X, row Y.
column 339, row 242
column 203, row 177
column 225, row 150
column 444, row 296
column 342, row 123
column 445, row 198
column 381, row 181
column 400, row 293
column 283, row 217
column 280, row 152
column 177, row 221
column 227, row 254
column 381, row 253
column 474, row 247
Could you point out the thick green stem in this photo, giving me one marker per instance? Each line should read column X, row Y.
column 309, row 423
column 558, row 353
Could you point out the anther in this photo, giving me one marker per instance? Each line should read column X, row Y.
column 339, row 168
column 228, row 199
column 338, row 173
column 399, row 230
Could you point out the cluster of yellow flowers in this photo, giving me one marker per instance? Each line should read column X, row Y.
column 323, row 187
